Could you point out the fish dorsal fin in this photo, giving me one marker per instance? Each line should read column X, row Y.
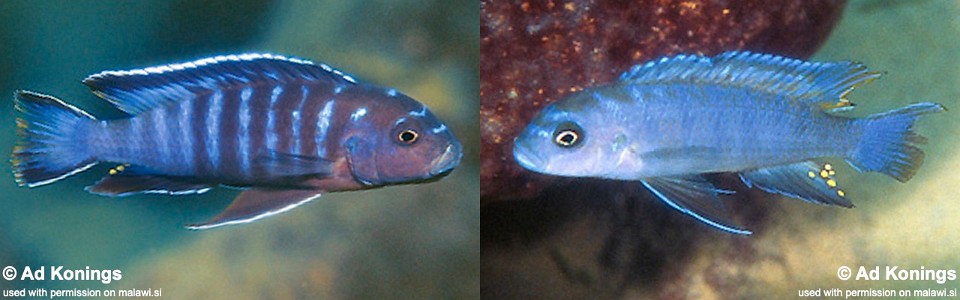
column 822, row 83
column 139, row 90
column 694, row 196
column 806, row 181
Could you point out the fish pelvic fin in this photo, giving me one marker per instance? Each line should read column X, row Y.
column 888, row 144
column 52, row 139
column 257, row 203
column 696, row 197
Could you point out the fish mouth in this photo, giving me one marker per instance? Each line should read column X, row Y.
column 527, row 159
column 444, row 164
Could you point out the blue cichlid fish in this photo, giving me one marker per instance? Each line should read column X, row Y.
column 285, row 130
column 666, row 122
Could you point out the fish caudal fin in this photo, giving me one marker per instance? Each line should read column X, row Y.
column 888, row 142
column 51, row 140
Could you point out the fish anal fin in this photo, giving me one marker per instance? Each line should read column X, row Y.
column 257, row 203
column 128, row 184
column 694, row 196
column 806, row 181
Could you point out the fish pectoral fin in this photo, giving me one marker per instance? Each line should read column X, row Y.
column 125, row 184
column 258, row 203
column 286, row 164
column 806, row 181
column 695, row 196
column 678, row 154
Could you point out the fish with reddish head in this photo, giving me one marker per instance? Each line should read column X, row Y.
column 284, row 130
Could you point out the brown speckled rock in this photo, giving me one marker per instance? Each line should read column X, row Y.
column 536, row 52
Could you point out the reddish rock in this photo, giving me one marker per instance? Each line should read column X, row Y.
column 533, row 53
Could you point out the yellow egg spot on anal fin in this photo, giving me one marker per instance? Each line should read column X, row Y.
column 811, row 174
column 120, row 168
column 832, row 183
column 841, row 193
column 827, row 167
column 113, row 172
column 824, row 173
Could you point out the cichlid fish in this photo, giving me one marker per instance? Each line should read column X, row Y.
column 285, row 130
column 666, row 122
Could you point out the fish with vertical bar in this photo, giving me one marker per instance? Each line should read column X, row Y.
column 767, row 118
column 284, row 130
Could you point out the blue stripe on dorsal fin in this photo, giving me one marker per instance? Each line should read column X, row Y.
column 825, row 84
column 139, row 90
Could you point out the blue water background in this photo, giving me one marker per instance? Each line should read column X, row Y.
column 415, row 241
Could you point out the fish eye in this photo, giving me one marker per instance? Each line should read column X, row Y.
column 567, row 135
column 408, row 136
column 566, row 138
